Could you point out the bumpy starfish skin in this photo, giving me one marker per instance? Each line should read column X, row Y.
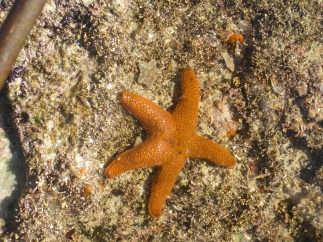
column 171, row 139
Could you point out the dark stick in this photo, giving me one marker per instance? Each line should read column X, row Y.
column 14, row 32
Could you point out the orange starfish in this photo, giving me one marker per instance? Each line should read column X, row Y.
column 171, row 139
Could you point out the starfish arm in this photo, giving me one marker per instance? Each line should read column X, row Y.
column 201, row 147
column 162, row 185
column 148, row 153
column 190, row 84
column 154, row 118
column 187, row 106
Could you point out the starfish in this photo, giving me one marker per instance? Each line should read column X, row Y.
column 171, row 139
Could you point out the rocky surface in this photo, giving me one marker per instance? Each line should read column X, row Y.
column 12, row 174
column 62, row 99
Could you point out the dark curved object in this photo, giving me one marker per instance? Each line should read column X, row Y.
column 14, row 32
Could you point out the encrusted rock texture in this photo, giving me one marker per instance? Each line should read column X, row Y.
column 62, row 97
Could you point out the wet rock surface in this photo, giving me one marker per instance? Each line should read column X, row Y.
column 63, row 103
